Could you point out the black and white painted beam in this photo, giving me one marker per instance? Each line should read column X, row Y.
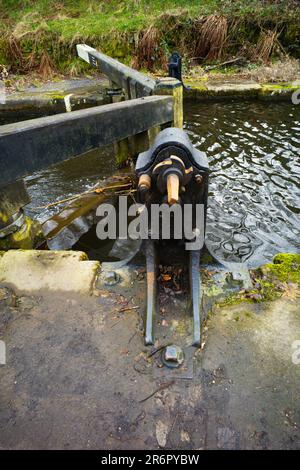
column 134, row 83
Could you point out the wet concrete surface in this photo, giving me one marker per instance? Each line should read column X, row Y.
column 54, row 98
column 79, row 376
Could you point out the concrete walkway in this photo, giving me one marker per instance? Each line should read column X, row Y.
column 73, row 94
column 54, row 97
column 77, row 374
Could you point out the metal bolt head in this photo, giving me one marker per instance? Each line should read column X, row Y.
column 173, row 356
column 111, row 278
column 199, row 179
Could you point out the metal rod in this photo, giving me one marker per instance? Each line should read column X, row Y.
column 195, row 282
column 151, row 291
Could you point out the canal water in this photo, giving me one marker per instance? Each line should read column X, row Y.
column 254, row 154
column 254, row 199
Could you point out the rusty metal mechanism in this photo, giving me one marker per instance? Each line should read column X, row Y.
column 173, row 172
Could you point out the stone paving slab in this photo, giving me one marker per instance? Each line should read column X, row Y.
column 55, row 97
column 239, row 89
column 37, row 270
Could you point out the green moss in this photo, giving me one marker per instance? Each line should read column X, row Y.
column 3, row 57
column 4, row 244
column 201, row 91
column 197, row 85
column 266, row 291
column 83, row 256
column 213, row 291
column 96, row 266
column 270, row 280
column 122, row 152
column 233, row 299
column 195, row 90
column 118, row 47
column 285, row 268
column 276, row 86
column 271, row 89
column 27, row 237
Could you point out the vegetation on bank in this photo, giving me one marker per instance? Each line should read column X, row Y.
column 281, row 278
column 41, row 35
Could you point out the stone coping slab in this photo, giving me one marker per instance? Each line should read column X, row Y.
column 70, row 95
column 30, row 271
column 220, row 90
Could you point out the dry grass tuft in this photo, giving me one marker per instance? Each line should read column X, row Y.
column 46, row 67
column 24, row 63
column 286, row 70
column 16, row 54
column 32, row 24
column 149, row 52
column 265, row 45
column 31, row 30
column 213, row 33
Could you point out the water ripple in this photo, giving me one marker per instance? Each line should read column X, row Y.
column 254, row 196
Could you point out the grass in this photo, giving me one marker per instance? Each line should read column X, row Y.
column 68, row 18
column 82, row 18
column 54, row 26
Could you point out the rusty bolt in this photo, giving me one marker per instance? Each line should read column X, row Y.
column 173, row 356
column 111, row 278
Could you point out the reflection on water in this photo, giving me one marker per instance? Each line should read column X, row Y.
column 66, row 179
column 254, row 199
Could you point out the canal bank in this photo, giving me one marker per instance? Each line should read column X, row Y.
column 72, row 94
column 42, row 36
